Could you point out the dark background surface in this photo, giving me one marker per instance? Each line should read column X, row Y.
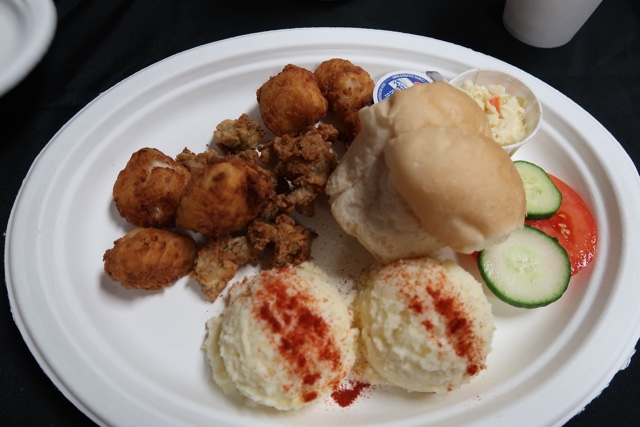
column 100, row 42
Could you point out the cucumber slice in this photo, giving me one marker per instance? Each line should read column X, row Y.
column 529, row 269
column 542, row 195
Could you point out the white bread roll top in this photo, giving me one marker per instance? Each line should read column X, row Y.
column 460, row 184
column 392, row 207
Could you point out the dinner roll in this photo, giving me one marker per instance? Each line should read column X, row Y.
column 461, row 185
column 387, row 204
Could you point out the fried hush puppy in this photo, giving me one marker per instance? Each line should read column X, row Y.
column 291, row 100
column 223, row 196
column 150, row 258
column 147, row 191
column 347, row 88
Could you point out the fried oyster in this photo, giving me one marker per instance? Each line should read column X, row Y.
column 237, row 135
column 218, row 261
column 291, row 242
column 305, row 161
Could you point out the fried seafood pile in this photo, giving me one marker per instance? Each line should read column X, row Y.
column 209, row 213
column 296, row 98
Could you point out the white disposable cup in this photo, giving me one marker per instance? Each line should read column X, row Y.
column 546, row 23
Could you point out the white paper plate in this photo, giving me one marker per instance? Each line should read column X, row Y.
column 26, row 30
column 134, row 358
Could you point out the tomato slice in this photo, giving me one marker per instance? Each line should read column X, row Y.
column 573, row 226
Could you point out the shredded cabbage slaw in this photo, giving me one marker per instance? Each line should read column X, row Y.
column 505, row 112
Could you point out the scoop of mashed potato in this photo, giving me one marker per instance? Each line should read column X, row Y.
column 425, row 324
column 285, row 338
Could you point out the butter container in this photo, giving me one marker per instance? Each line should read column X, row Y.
column 398, row 80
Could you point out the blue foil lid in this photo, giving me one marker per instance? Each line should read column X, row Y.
column 398, row 80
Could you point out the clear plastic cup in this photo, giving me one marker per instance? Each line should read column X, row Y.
column 514, row 87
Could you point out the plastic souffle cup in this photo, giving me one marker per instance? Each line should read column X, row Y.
column 513, row 87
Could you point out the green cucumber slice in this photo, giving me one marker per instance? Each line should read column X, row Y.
column 542, row 195
column 529, row 269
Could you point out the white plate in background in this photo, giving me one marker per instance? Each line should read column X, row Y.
column 26, row 30
column 134, row 358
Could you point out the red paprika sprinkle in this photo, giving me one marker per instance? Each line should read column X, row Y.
column 459, row 327
column 348, row 392
column 301, row 336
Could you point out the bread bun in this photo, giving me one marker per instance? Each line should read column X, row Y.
column 367, row 203
column 434, row 104
column 461, row 185
column 372, row 210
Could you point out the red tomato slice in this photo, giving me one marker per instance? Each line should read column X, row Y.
column 573, row 225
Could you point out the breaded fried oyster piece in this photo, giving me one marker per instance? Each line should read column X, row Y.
column 196, row 161
column 291, row 241
column 150, row 258
column 218, row 261
column 240, row 134
column 148, row 189
column 223, row 196
column 348, row 88
column 306, row 161
column 291, row 100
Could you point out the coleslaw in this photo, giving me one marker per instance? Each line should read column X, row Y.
column 504, row 111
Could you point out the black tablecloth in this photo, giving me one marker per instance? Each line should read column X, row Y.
column 98, row 43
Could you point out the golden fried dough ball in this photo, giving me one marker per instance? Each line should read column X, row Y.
column 224, row 196
column 150, row 258
column 348, row 88
column 148, row 189
column 291, row 100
